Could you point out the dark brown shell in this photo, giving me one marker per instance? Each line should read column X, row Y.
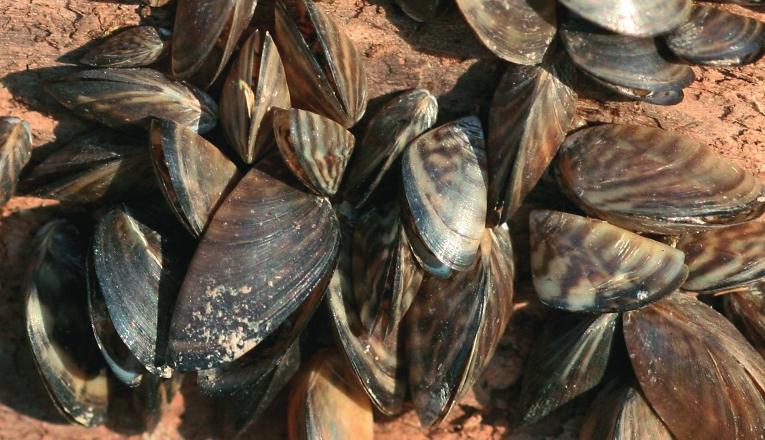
column 698, row 372
column 717, row 37
column 254, row 86
column 747, row 310
column 584, row 265
column 194, row 174
column 530, row 115
column 567, row 365
column 324, row 69
column 519, row 31
column 327, row 403
column 315, row 148
column 121, row 97
column 242, row 271
column 394, row 126
column 650, row 180
column 15, row 152
column 136, row 46
column 634, row 17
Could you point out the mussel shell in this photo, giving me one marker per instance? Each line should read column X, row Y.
column 205, row 35
column 698, row 372
column 15, row 152
column 324, row 70
column 327, row 403
column 420, row 10
column 194, row 174
column 530, row 115
column 658, row 97
column 453, row 327
column 394, row 126
column 284, row 248
column 634, row 17
column 445, row 192
column 717, row 37
column 376, row 360
column 152, row 398
column 567, row 365
column 624, row 61
column 255, row 84
column 122, row 97
column 519, row 31
column 139, row 269
column 134, row 46
column 315, row 148
column 99, row 167
column 649, row 180
column 57, row 326
column 585, row 265
column 621, row 412
column 746, row 310
column 726, row 258
column 120, row 360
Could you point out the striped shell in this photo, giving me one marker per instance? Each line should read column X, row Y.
column 15, row 152
column 566, row 365
column 285, row 248
column 584, row 265
column 698, row 372
column 649, row 180
column 255, row 85
column 194, row 174
column 716, row 37
column 397, row 123
column 324, row 69
column 444, row 178
column 725, row 259
column 747, row 311
column 623, row 61
column 633, row 17
column 135, row 46
column 327, row 403
column 530, row 115
column 315, row 148
column 519, row 31
column 120, row 97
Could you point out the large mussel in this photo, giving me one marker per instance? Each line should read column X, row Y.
column 643, row 18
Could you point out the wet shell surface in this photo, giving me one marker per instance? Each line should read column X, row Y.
column 584, row 265
column 649, row 180
column 633, row 17
column 15, row 152
column 264, row 214
column 135, row 46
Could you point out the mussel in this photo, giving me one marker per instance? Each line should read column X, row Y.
column 643, row 18
column 135, row 46
column 420, row 10
column 15, row 152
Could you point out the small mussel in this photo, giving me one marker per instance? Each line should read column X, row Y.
column 445, row 195
column 649, row 180
column 717, row 37
column 697, row 371
column 327, row 403
column 644, row 18
column 138, row 270
column 58, row 327
column 135, row 46
column 454, row 326
column 420, row 10
column 519, row 31
column 621, row 412
column 532, row 110
column 726, row 259
column 746, row 310
column 565, row 365
column 254, row 86
column 324, row 69
column 205, row 35
column 122, row 97
column 395, row 125
column 194, row 174
column 314, row 147
column 15, row 152
column 100, row 167
column 269, row 247
column 586, row 265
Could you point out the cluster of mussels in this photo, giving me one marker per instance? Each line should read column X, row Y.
column 211, row 255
